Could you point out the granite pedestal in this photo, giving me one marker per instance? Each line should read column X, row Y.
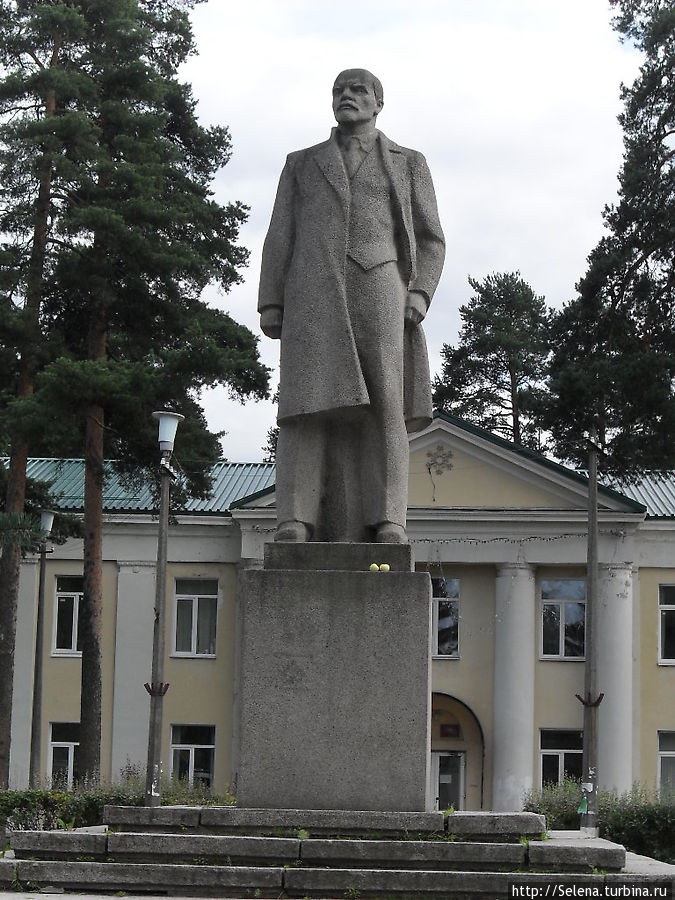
column 333, row 696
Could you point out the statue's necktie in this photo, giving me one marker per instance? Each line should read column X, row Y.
column 352, row 155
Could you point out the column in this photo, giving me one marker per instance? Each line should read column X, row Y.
column 614, row 643
column 133, row 657
column 24, row 655
column 513, row 739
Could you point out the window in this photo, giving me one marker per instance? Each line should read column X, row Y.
column 196, row 613
column 563, row 618
column 64, row 739
column 192, row 752
column 67, row 641
column 445, row 617
column 666, row 770
column 667, row 624
column 560, row 755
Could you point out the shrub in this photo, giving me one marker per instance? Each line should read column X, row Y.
column 558, row 802
column 640, row 820
column 83, row 806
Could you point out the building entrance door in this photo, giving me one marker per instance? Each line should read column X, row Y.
column 448, row 778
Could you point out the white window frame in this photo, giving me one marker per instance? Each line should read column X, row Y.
column 667, row 608
column 191, row 748
column 70, row 745
column 72, row 650
column 195, row 600
column 435, row 616
column 554, row 752
column 560, row 603
column 661, row 755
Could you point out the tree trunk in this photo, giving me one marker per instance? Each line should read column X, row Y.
column 10, row 564
column 91, row 604
column 515, row 410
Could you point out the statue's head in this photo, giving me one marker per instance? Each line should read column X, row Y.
column 357, row 97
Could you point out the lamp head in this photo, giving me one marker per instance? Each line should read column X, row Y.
column 168, row 425
column 46, row 521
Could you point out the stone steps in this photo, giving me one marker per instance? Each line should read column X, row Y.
column 215, row 851
column 273, row 881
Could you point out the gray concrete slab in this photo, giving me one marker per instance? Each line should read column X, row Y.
column 161, row 818
column 645, row 865
column 504, row 826
column 568, row 854
column 188, row 847
column 129, row 876
column 458, row 885
column 56, row 844
column 412, row 854
column 321, row 821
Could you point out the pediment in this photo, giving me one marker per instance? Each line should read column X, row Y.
column 455, row 465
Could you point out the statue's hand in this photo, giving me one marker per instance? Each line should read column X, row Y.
column 270, row 321
column 415, row 308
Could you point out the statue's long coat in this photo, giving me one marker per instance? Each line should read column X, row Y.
column 303, row 271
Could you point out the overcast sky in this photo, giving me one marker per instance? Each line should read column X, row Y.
column 513, row 103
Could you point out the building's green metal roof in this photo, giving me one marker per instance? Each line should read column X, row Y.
column 655, row 490
column 231, row 481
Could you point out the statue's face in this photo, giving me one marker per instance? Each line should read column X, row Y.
column 354, row 100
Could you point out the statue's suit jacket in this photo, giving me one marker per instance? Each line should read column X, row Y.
column 303, row 271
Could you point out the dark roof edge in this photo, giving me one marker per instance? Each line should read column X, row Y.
column 249, row 498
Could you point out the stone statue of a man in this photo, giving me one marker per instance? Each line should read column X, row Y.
column 351, row 260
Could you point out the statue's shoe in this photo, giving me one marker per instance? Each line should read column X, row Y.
column 296, row 532
column 390, row 533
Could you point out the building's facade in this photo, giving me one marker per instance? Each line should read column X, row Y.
column 502, row 532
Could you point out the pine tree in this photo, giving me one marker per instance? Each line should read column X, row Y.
column 493, row 377
column 613, row 368
column 36, row 134
column 139, row 236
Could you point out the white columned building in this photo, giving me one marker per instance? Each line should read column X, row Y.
column 515, row 605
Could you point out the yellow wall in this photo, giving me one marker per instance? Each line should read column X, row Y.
column 555, row 681
column 62, row 675
column 201, row 691
column 470, row 678
column 657, row 683
column 473, row 483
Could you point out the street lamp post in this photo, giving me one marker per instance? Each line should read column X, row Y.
column 168, row 424
column 46, row 522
